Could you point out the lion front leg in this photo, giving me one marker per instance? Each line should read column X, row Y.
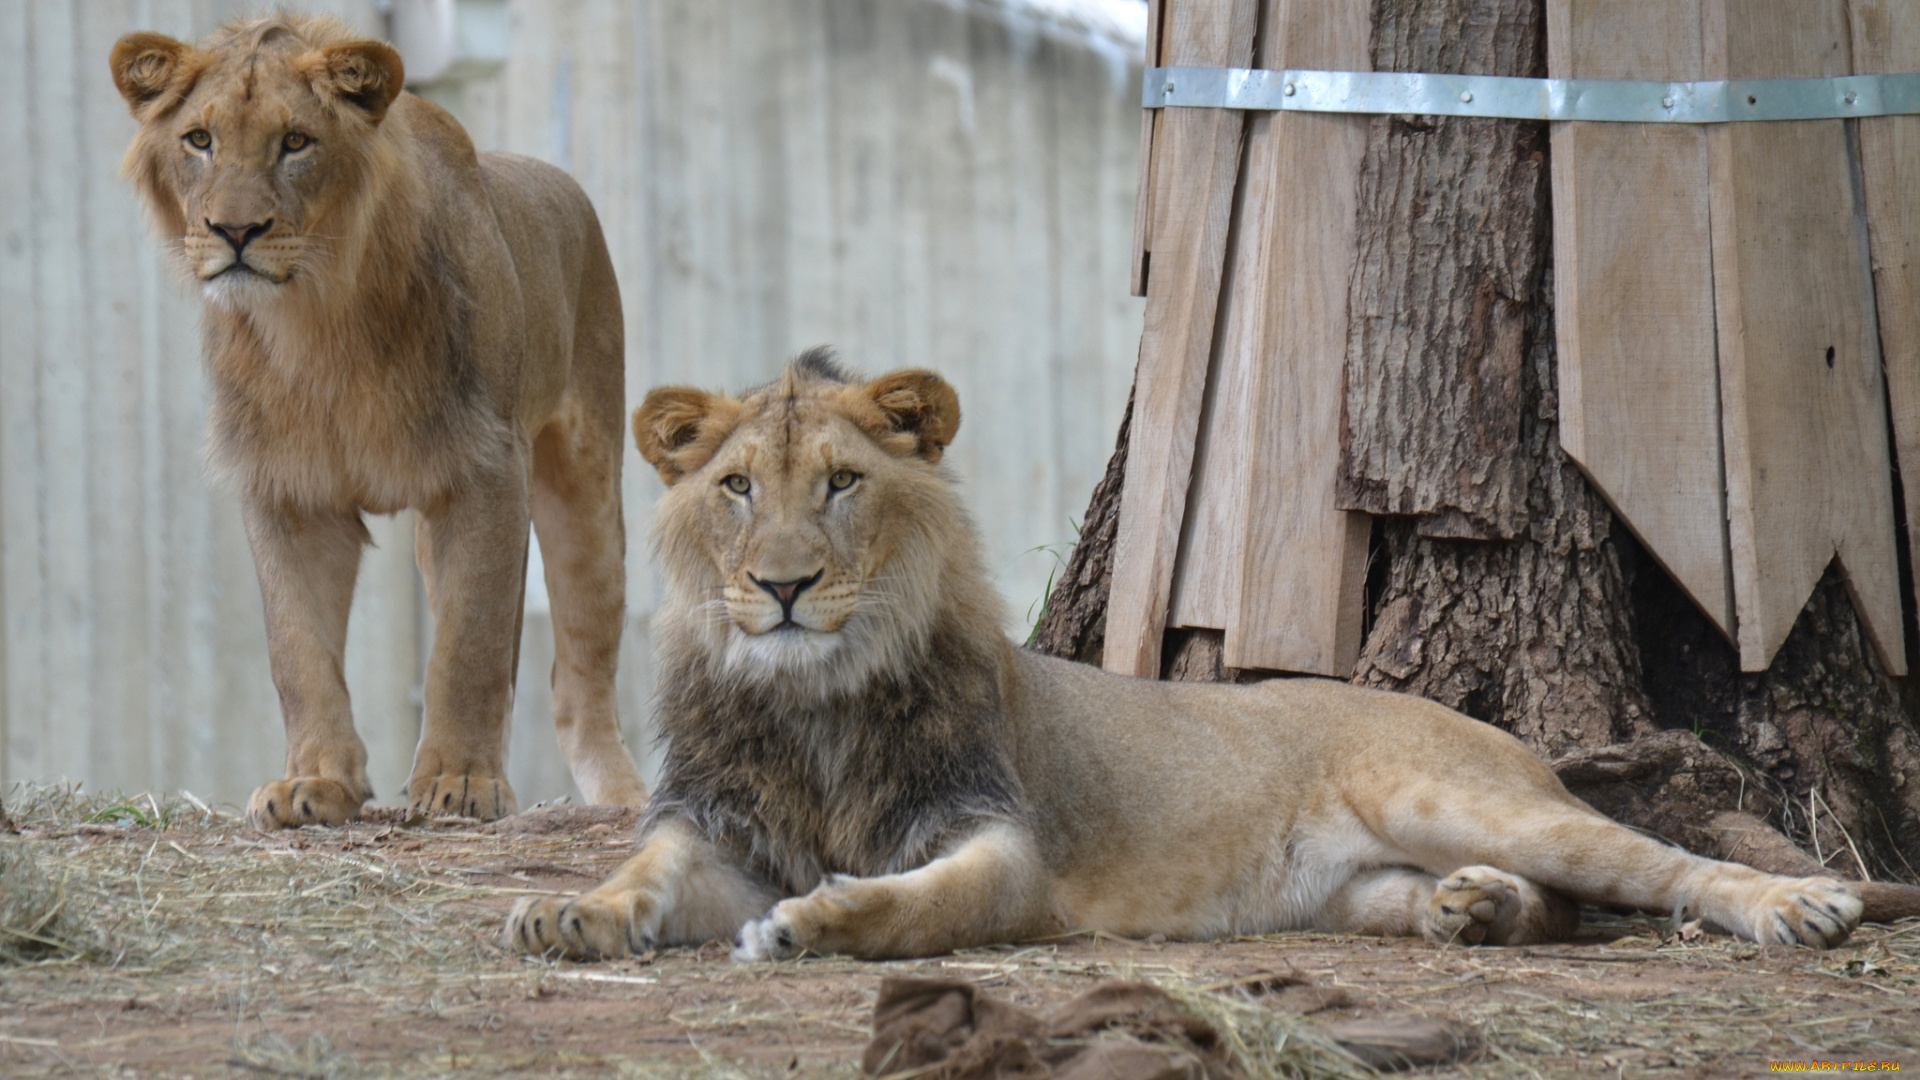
column 991, row 888
column 472, row 551
column 307, row 563
column 677, row 891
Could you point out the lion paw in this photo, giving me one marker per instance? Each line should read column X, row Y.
column 302, row 800
column 580, row 928
column 1476, row 905
column 1818, row 912
column 458, row 795
column 769, row 938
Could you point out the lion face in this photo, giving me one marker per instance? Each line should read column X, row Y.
column 254, row 151
column 806, row 526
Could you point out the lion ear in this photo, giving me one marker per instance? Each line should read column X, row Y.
column 365, row 74
column 678, row 429
column 145, row 66
column 917, row 413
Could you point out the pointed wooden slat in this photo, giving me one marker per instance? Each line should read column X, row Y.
column 1886, row 39
column 1633, row 304
column 1803, row 411
column 1199, row 155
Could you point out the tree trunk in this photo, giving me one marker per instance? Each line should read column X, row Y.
column 1502, row 584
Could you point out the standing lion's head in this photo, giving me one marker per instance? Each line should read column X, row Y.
column 808, row 532
column 258, row 149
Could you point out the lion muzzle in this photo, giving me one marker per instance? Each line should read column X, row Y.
column 787, row 593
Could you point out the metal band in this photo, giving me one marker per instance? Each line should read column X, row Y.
column 1716, row 102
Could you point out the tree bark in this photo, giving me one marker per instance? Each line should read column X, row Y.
column 1503, row 586
column 1074, row 622
column 1450, row 411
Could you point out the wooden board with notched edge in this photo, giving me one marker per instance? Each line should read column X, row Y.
column 1633, row 295
column 1802, row 413
column 1268, row 556
column 1198, row 152
column 1886, row 40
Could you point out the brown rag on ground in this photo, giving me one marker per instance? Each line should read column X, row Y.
column 1116, row 1031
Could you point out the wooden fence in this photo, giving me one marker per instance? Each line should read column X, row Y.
column 919, row 182
column 1735, row 331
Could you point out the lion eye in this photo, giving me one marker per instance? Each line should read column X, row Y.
column 293, row 141
column 842, row 479
column 737, row 484
column 199, row 139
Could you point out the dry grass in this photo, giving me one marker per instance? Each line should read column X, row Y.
column 38, row 918
column 182, row 943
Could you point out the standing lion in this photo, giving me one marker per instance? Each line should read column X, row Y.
column 394, row 322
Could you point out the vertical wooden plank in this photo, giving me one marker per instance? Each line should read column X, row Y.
column 1268, row 555
column 22, row 642
column 1143, row 199
column 1886, row 39
column 117, row 412
column 864, row 37
column 1633, row 283
column 1200, row 594
column 623, row 216
column 1803, row 415
column 752, row 212
column 1296, row 588
column 1193, row 201
column 806, row 181
column 60, row 294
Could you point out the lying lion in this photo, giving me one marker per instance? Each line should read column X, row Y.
column 859, row 762
column 394, row 322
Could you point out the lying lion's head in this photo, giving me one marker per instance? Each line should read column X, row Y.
column 256, row 149
column 807, row 529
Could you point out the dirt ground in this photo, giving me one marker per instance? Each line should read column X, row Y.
column 192, row 946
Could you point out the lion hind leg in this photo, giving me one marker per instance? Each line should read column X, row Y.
column 992, row 888
column 1388, row 901
column 677, row 891
column 472, row 550
column 576, row 511
column 1481, row 905
column 1547, row 839
column 1473, row 906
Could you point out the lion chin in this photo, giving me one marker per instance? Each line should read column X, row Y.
column 241, row 288
column 784, row 651
column 915, row 784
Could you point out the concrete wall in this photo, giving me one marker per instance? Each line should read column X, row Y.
column 918, row 182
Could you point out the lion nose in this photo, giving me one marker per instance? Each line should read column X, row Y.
column 788, row 591
column 239, row 236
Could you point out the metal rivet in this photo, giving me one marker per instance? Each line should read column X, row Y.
column 1852, row 97
column 1666, row 103
column 1288, row 90
column 1466, row 95
column 1169, row 86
